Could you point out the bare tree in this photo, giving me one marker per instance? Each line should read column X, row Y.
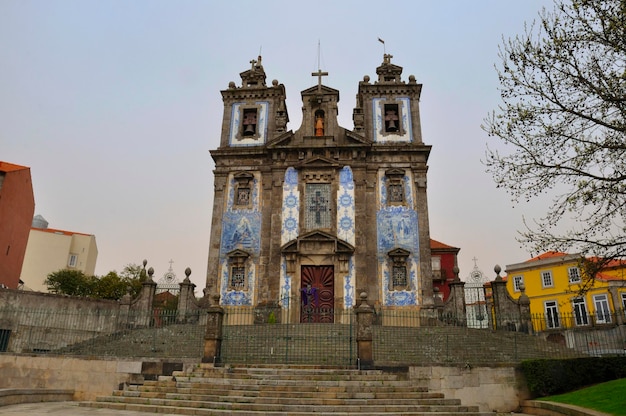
column 563, row 123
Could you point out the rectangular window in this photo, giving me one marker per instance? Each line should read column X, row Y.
column 243, row 196
column 580, row 311
column 603, row 313
column 317, row 214
column 552, row 314
column 518, row 281
column 399, row 276
column 395, row 192
column 436, row 265
column 249, row 122
column 546, row 279
column 237, row 277
column 5, row 334
column 574, row 274
column 71, row 262
column 392, row 118
column 624, row 303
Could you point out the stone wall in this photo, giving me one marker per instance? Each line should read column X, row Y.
column 499, row 389
column 88, row 378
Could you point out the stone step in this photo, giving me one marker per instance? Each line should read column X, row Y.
column 357, row 408
column 214, row 412
column 206, row 390
column 354, row 398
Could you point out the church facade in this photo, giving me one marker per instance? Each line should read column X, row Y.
column 322, row 213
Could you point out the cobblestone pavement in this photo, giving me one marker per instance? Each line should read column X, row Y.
column 64, row 409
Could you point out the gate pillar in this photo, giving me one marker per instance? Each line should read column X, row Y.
column 213, row 334
column 364, row 321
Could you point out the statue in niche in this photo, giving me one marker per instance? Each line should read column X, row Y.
column 319, row 123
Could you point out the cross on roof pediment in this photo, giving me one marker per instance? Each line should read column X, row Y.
column 322, row 89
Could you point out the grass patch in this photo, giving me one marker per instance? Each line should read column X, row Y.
column 605, row 397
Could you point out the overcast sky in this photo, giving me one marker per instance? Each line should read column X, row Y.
column 114, row 105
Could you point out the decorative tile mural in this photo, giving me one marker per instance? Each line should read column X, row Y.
column 349, row 286
column 405, row 112
column 285, row 285
column 237, row 297
column 235, row 122
column 241, row 229
column 345, row 206
column 291, row 207
column 397, row 227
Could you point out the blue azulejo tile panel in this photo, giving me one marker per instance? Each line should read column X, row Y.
column 345, row 206
column 285, row 284
column 241, row 230
column 349, row 286
column 400, row 298
column 397, row 228
column 237, row 297
column 290, row 227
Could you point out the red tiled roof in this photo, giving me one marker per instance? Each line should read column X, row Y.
column 55, row 231
column 547, row 255
column 10, row 167
column 437, row 244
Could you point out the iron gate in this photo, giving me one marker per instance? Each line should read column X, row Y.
column 274, row 335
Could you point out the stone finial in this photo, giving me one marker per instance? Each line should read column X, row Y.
column 498, row 269
column 412, row 79
column 455, row 271
column 187, row 274
column 366, row 79
column 150, row 273
column 275, row 82
column 232, row 85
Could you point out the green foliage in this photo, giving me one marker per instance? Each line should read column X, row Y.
column 70, row 282
column 548, row 377
column 605, row 397
column 112, row 286
column 562, row 122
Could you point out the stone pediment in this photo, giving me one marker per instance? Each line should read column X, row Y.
column 238, row 254
column 399, row 253
column 317, row 242
column 317, row 162
column 284, row 139
column 355, row 138
column 323, row 90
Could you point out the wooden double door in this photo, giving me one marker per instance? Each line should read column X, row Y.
column 317, row 294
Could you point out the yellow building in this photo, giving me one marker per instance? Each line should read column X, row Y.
column 49, row 250
column 553, row 281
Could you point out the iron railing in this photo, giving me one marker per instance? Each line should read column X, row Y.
column 275, row 335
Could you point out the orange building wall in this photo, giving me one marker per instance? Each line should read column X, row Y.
column 17, row 207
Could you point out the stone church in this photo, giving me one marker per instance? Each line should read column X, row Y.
column 322, row 213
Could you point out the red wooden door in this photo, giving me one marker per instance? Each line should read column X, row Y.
column 317, row 294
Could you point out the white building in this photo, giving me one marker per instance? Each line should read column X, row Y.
column 49, row 250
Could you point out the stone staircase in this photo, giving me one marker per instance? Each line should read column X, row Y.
column 297, row 391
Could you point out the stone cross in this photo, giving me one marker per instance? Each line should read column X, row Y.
column 319, row 74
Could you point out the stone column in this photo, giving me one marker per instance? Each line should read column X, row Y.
column 142, row 306
column 186, row 298
column 499, row 296
column 457, row 300
column 524, row 312
column 213, row 333
column 364, row 321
